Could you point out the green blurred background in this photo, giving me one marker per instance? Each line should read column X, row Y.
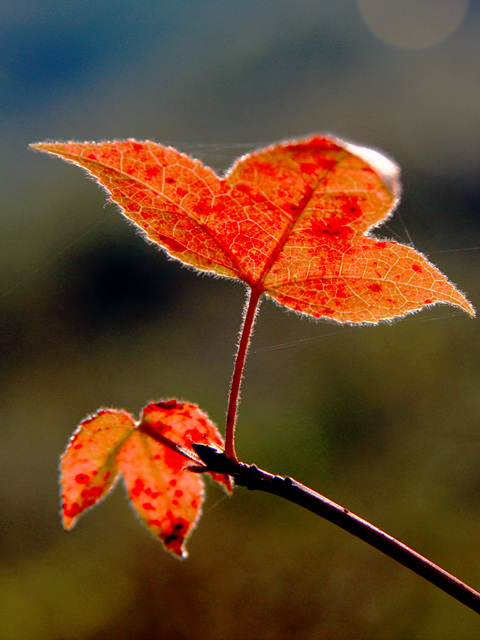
column 384, row 420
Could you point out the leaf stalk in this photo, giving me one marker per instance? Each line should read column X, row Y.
column 250, row 313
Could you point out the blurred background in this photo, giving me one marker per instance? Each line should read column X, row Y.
column 384, row 420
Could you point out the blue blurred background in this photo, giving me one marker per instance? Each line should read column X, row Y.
column 384, row 420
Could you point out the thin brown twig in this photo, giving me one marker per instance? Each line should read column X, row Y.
column 252, row 477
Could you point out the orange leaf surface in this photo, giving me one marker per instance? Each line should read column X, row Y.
column 291, row 220
column 167, row 496
column 183, row 423
column 88, row 468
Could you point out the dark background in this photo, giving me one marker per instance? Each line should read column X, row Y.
column 384, row 420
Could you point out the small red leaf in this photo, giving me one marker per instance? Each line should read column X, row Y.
column 291, row 220
column 167, row 497
column 88, row 467
column 183, row 423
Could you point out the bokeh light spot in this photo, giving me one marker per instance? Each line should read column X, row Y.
column 413, row 24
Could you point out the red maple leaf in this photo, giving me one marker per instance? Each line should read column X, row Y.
column 291, row 220
column 153, row 456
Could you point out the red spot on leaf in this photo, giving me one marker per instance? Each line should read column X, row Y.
column 416, row 268
column 350, row 209
column 375, row 287
column 321, row 143
column 73, row 510
column 331, row 227
column 137, row 488
column 152, row 172
column 174, row 460
column 93, row 492
column 194, row 435
column 172, row 244
column 174, row 532
column 82, row 478
column 153, row 522
column 310, row 167
column 169, row 405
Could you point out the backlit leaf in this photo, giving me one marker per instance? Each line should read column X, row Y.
column 149, row 454
column 292, row 221
column 183, row 423
column 167, row 496
column 88, row 468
